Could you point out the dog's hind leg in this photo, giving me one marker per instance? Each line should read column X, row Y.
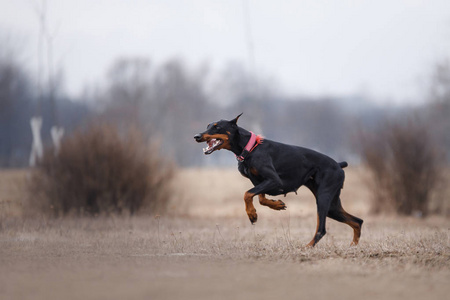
column 338, row 213
column 312, row 186
column 325, row 190
column 323, row 204
column 313, row 241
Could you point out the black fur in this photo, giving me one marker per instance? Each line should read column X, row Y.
column 275, row 168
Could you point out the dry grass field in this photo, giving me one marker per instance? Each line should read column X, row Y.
column 205, row 248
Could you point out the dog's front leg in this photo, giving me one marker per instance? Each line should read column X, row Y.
column 261, row 188
column 249, row 208
column 273, row 204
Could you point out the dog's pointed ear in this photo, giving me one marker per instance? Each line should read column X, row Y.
column 236, row 119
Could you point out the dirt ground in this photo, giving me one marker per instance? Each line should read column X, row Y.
column 205, row 248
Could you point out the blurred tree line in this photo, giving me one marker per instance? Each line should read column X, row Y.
column 170, row 102
column 20, row 101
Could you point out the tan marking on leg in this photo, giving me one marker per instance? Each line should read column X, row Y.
column 356, row 227
column 340, row 215
column 356, row 232
column 249, row 208
column 273, row 204
column 313, row 242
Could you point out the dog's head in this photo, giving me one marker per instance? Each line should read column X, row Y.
column 218, row 135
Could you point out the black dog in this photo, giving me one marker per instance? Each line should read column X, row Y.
column 275, row 168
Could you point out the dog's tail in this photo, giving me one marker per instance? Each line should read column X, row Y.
column 343, row 164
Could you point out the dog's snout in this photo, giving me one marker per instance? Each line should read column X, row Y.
column 198, row 137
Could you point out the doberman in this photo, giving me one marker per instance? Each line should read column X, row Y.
column 275, row 169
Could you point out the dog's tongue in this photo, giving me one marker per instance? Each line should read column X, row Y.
column 211, row 144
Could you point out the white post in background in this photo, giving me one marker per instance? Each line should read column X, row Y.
column 37, row 150
column 57, row 134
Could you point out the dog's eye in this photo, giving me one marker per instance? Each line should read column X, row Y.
column 218, row 127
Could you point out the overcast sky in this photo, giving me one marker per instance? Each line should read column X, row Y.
column 383, row 48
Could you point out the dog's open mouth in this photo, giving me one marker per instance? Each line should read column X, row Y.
column 212, row 145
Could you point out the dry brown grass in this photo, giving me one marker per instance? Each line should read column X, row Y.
column 405, row 243
column 185, row 258
column 12, row 192
column 207, row 249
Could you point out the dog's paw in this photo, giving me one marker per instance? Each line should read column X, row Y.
column 279, row 205
column 252, row 216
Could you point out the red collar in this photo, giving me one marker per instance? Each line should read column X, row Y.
column 254, row 141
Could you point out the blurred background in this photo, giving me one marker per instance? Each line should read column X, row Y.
column 340, row 77
column 304, row 72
